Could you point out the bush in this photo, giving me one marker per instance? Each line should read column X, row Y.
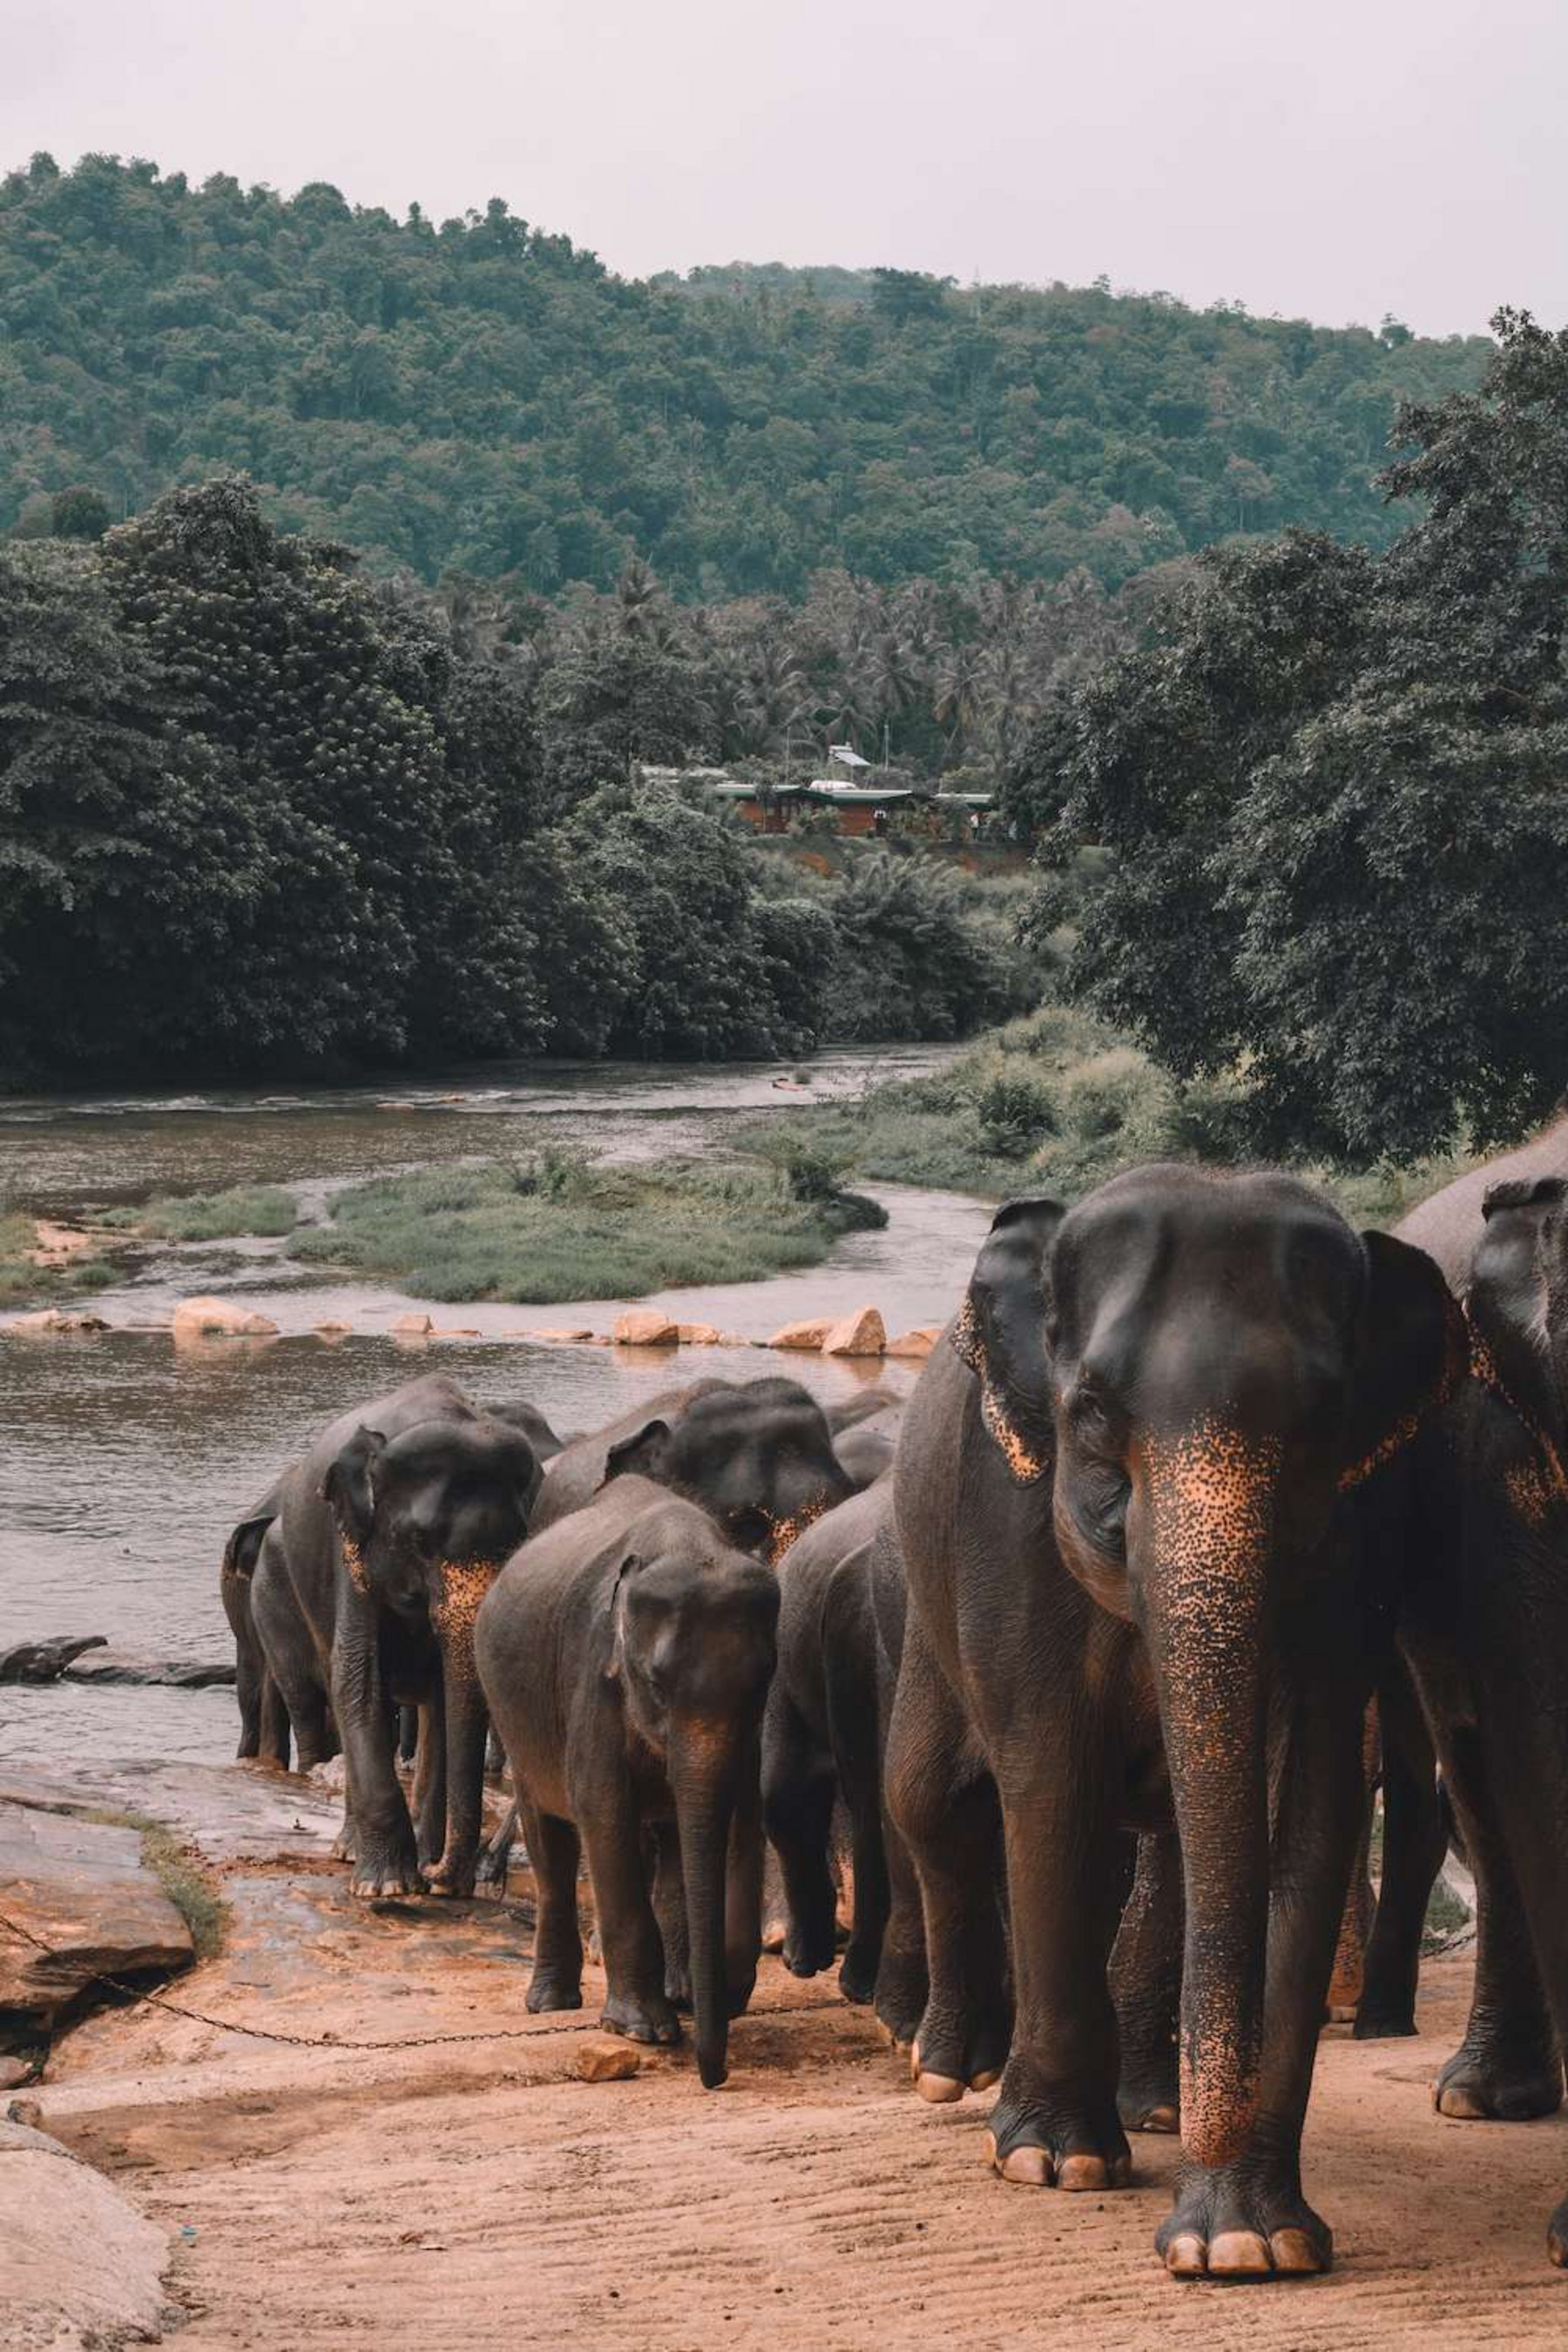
column 1013, row 1112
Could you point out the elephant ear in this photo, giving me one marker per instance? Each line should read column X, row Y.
column 349, row 1486
column 1416, row 1354
column 1000, row 1333
column 645, row 1453
column 1515, row 1299
column 630, row 1562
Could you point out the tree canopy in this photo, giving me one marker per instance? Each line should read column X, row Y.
column 484, row 397
column 1332, row 787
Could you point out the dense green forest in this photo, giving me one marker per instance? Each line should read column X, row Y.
column 482, row 397
column 258, row 810
column 1326, row 800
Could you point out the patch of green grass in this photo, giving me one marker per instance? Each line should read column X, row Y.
column 23, row 1282
column 562, row 1227
column 187, row 1885
column 243, row 1210
column 1054, row 1103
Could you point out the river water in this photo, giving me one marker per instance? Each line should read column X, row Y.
column 123, row 1460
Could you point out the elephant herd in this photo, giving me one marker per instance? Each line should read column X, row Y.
column 1198, row 1485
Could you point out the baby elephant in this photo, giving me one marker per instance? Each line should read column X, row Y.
column 626, row 1655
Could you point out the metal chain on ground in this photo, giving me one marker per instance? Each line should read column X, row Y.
column 333, row 2042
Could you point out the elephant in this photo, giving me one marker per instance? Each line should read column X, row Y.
column 1486, row 1633
column 626, row 1655
column 294, row 1667
column 1139, row 1502
column 822, row 1738
column 865, row 1454
column 263, row 1726
column 390, row 1531
column 758, row 1455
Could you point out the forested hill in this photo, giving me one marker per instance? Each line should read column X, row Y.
column 481, row 396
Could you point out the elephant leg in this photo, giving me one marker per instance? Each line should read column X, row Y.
column 635, row 2004
column 1055, row 2123
column 1414, row 1840
column 670, row 1910
column 903, row 1984
column 945, row 1806
column 743, row 1896
column 798, row 1811
column 1146, row 1987
column 855, row 1733
column 1508, row 2068
column 1348, row 1983
column 554, row 1850
column 429, row 1806
column 249, row 1678
column 273, row 1738
column 489, row 1875
column 384, row 1859
column 1246, row 2217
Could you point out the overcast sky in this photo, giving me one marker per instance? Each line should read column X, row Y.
column 1336, row 158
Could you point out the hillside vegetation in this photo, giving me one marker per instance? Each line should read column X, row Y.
column 481, row 396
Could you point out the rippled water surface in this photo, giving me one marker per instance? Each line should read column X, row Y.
column 123, row 1461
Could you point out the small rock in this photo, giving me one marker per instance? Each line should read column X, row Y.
column 918, row 1342
column 219, row 1318
column 57, row 1319
column 861, row 1334
column 603, row 2060
column 456, row 1332
column 808, row 1335
column 27, row 2113
column 699, row 1335
column 583, row 1332
column 645, row 1327
column 334, row 1330
column 414, row 1327
column 12, row 2071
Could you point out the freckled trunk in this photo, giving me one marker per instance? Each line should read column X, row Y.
column 704, row 1783
column 1205, row 1585
column 454, row 1611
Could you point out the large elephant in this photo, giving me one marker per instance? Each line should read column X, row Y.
column 1486, row 1632
column 625, row 1653
column 391, row 1529
column 757, row 1455
column 1137, row 1492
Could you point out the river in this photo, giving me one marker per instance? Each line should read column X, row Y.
column 123, row 1461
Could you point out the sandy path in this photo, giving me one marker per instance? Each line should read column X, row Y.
column 482, row 2197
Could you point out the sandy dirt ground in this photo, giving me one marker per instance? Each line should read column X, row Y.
column 477, row 2194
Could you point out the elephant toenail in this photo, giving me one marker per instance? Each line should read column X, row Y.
column 1460, row 2104
column 1187, row 2256
column 940, row 2089
column 1294, row 2253
column 1031, row 2166
column 983, row 2082
column 1239, row 2254
column 1083, row 2172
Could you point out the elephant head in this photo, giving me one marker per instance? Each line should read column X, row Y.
column 757, row 1457
column 694, row 1649
column 1517, row 1306
column 1201, row 1365
column 427, row 1520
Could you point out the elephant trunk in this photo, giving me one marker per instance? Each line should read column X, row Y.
column 459, row 1588
column 1208, row 1528
column 704, row 1775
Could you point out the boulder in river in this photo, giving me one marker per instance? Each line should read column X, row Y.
column 57, row 1319
column 860, row 1334
column 219, row 1318
column 699, row 1335
column 808, row 1334
column 106, row 1662
column 645, row 1327
column 45, row 1661
column 89, row 1903
column 917, row 1343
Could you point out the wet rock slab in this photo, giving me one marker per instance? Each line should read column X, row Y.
column 82, row 2266
column 45, row 1661
column 105, row 1662
column 77, row 1903
column 230, row 1812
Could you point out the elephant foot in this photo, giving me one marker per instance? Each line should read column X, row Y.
column 1380, row 2024
column 857, row 1974
column 1243, row 2220
column 954, row 2053
column 451, row 1877
column 641, row 2018
column 375, row 1879
column 808, row 1950
column 344, row 1844
column 559, row 1986
column 1149, row 2101
column 740, row 1985
column 1557, row 2237
column 1049, row 2137
column 678, row 1990
column 900, row 1995
column 1483, row 2083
